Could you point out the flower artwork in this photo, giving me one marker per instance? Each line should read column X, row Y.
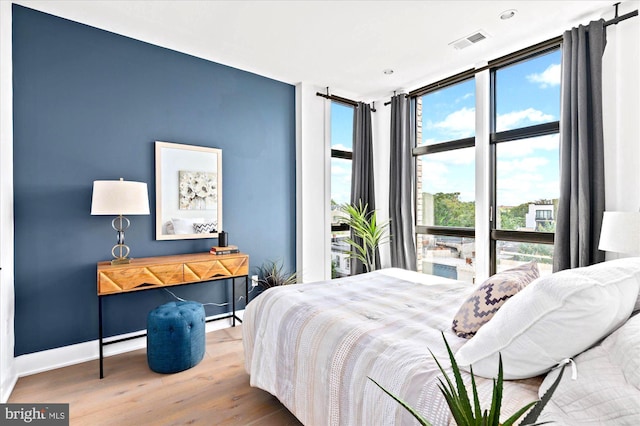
column 197, row 190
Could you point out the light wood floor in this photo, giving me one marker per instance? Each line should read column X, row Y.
column 215, row 392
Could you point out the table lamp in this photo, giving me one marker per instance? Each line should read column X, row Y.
column 119, row 197
column 620, row 232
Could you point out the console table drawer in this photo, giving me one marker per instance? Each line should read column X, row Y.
column 131, row 278
column 216, row 268
column 160, row 271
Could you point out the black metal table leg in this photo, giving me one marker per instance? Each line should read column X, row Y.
column 233, row 301
column 100, row 335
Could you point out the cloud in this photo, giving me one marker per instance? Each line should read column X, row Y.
column 456, row 157
column 526, row 147
column 526, row 187
column 465, row 97
column 342, row 168
column 459, row 124
column 341, row 147
column 434, row 175
column 526, row 117
column 530, row 164
column 547, row 78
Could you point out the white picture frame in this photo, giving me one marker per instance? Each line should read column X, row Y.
column 188, row 191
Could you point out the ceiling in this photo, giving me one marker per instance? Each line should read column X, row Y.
column 344, row 45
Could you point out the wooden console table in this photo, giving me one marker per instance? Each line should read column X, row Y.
column 167, row 271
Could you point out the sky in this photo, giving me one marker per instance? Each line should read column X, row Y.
column 527, row 93
column 342, row 139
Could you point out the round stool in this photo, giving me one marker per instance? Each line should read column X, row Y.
column 175, row 336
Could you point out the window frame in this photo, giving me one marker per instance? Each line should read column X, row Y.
column 494, row 138
column 445, row 146
column 343, row 155
column 506, row 136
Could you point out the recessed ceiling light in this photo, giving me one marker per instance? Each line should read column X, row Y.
column 388, row 71
column 508, row 14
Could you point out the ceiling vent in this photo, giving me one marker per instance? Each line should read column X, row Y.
column 467, row 41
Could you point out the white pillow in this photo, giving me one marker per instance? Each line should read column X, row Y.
column 553, row 318
column 185, row 226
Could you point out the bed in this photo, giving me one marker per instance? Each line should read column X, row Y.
column 314, row 346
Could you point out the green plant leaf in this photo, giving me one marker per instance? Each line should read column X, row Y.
column 366, row 233
column 414, row 413
column 535, row 413
column 496, row 400
column 460, row 406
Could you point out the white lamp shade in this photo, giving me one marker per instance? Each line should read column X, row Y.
column 115, row 197
column 620, row 232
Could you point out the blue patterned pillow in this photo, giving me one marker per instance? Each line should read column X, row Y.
column 485, row 301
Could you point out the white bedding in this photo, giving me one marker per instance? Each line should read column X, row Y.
column 313, row 346
column 606, row 390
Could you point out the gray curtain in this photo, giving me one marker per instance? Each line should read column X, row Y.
column 362, row 189
column 581, row 202
column 401, row 183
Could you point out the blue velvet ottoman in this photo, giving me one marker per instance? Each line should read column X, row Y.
column 175, row 336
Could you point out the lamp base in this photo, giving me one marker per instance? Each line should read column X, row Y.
column 121, row 261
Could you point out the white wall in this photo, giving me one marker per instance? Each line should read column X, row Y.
column 8, row 374
column 313, row 180
column 621, row 111
column 381, row 128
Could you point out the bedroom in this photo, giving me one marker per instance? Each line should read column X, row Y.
column 50, row 311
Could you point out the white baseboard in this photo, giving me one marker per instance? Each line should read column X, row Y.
column 51, row 359
column 7, row 387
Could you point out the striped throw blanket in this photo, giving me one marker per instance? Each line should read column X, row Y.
column 314, row 345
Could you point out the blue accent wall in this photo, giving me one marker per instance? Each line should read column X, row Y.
column 88, row 105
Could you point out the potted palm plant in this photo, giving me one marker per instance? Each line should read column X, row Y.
column 368, row 233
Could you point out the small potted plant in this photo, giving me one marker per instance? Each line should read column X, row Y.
column 271, row 274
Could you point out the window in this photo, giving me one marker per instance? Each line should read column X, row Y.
column 445, row 184
column 341, row 154
column 523, row 165
column 525, row 156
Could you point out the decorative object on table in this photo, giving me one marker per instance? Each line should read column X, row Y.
column 272, row 274
column 175, row 336
column 365, row 227
column 217, row 250
column 188, row 191
column 222, row 239
column 620, row 232
column 119, row 197
column 467, row 413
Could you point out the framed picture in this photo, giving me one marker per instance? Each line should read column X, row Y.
column 188, row 191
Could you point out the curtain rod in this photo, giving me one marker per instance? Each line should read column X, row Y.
column 529, row 50
column 617, row 18
column 342, row 100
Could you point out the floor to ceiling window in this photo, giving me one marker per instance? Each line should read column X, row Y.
column 445, row 181
column 525, row 160
column 523, row 163
column 341, row 154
